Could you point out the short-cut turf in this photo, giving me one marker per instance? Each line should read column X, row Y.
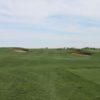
column 44, row 74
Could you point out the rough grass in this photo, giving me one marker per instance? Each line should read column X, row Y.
column 45, row 74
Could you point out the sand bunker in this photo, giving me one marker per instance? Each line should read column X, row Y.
column 21, row 50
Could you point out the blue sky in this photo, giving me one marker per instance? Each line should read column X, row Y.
column 49, row 23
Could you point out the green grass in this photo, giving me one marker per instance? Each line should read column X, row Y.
column 45, row 74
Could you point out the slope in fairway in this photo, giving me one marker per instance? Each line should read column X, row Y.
column 39, row 75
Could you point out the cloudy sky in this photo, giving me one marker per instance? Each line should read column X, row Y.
column 49, row 23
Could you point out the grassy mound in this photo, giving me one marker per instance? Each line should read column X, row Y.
column 80, row 52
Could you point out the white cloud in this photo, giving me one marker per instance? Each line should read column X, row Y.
column 48, row 39
column 39, row 9
column 85, row 36
column 36, row 11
